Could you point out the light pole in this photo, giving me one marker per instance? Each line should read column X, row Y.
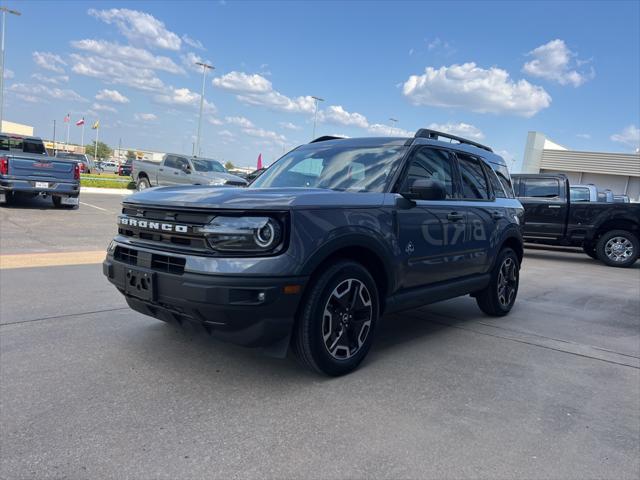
column 394, row 120
column 4, row 11
column 205, row 67
column 315, row 115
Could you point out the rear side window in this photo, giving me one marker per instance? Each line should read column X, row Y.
column 580, row 194
column 170, row 161
column 431, row 164
column 505, row 179
column 541, row 188
column 474, row 182
column 496, row 185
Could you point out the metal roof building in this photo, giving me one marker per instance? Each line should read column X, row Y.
column 619, row 172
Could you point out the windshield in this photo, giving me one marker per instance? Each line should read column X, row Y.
column 358, row 169
column 202, row 165
column 25, row 145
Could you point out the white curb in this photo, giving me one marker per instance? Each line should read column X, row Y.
column 109, row 191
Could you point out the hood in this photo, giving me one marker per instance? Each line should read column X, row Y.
column 200, row 196
column 225, row 175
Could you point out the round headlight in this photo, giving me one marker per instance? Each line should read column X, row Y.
column 266, row 235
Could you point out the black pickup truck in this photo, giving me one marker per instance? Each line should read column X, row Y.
column 606, row 231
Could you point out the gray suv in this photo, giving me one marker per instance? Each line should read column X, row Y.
column 333, row 235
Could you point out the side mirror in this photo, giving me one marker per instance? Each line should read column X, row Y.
column 428, row 189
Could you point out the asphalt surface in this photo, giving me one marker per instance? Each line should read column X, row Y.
column 90, row 389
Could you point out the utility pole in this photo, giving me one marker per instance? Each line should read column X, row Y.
column 54, row 137
column 205, row 67
column 394, row 120
column 315, row 115
column 4, row 11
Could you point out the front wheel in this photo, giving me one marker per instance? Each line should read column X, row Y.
column 334, row 331
column 618, row 248
column 498, row 297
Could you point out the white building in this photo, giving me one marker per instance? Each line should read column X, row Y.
column 619, row 172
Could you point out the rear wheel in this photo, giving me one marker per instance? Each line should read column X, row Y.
column 9, row 198
column 335, row 328
column 498, row 297
column 618, row 248
column 57, row 203
column 143, row 183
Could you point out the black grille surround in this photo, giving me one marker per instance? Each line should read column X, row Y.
column 189, row 242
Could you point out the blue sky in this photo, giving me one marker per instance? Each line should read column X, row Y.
column 490, row 71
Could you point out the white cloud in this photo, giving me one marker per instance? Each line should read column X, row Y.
column 145, row 117
column 461, row 129
column 192, row 42
column 215, row 121
column 380, row 130
column 54, row 80
column 9, row 74
column 479, row 90
column 586, row 136
column 241, row 82
column 30, row 91
column 240, row 122
column 265, row 134
column 139, row 27
column 49, row 61
column 111, row 96
column 183, row 97
column 440, row 46
column 554, row 61
column 338, row 115
column 508, row 157
column 99, row 107
column 255, row 89
column 117, row 73
column 189, row 60
column 133, row 56
column 226, row 133
column 290, row 126
column 630, row 136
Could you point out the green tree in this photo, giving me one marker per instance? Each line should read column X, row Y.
column 131, row 155
column 103, row 150
column 229, row 165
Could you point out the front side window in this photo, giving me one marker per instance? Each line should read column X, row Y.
column 349, row 168
column 474, row 182
column 430, row 164
column 541, row 188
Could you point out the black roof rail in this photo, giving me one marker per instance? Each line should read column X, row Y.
column 434, row 135
column 325, row 138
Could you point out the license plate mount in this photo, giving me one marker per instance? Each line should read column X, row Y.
column 42, row 184
column 140, row 284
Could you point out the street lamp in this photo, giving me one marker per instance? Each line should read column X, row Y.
column 315, row 115
column 4, row 11
column 394, row 120
column 205, row 67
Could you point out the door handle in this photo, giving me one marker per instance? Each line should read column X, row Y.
column 455, row 216
column 554, row 206
column 496, row 215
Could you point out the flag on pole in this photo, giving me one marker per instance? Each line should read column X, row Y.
column 259, row 166
column 96, row 125
column 67, row 119
column 80, row 122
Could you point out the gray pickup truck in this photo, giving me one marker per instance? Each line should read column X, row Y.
column 182, row 170
column 26, row 169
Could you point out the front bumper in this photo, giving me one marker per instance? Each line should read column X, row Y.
column 66, row 189
column 245, row 310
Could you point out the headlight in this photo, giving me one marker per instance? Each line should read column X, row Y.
column 243, row 234
column 217, row 181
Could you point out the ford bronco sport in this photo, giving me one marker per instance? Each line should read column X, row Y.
column 330, row 237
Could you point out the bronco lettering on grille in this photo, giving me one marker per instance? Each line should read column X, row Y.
column 164, row 227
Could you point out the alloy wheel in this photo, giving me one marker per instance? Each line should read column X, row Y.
column 347, row 319
column 507, row 282
column 618, row 249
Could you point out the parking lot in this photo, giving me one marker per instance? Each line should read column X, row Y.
column 91, row 389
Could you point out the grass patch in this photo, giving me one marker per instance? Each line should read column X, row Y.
column 107, row 182
column 104, row 175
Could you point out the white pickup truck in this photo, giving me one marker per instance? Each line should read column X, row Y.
column 175, row 169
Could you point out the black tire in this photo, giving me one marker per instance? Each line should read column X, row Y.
column 498, row 298
column 57, row 203
column 590, row 250
column 143, row 183
column 9, row 199
column 618, row 248
column 334, row 344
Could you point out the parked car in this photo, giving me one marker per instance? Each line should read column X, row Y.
column 182, row 170
column 26, row 169
column 330, row 237
column 108, row 166
column 605, row 230
column 125, row 168
column 86, row 164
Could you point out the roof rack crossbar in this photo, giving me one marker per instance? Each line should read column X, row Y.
column 434, row 135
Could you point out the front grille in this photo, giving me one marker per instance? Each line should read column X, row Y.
column 167, row 264
column 126, row 255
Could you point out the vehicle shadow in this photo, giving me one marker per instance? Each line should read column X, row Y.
column 21, row 202
column 568, row 256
